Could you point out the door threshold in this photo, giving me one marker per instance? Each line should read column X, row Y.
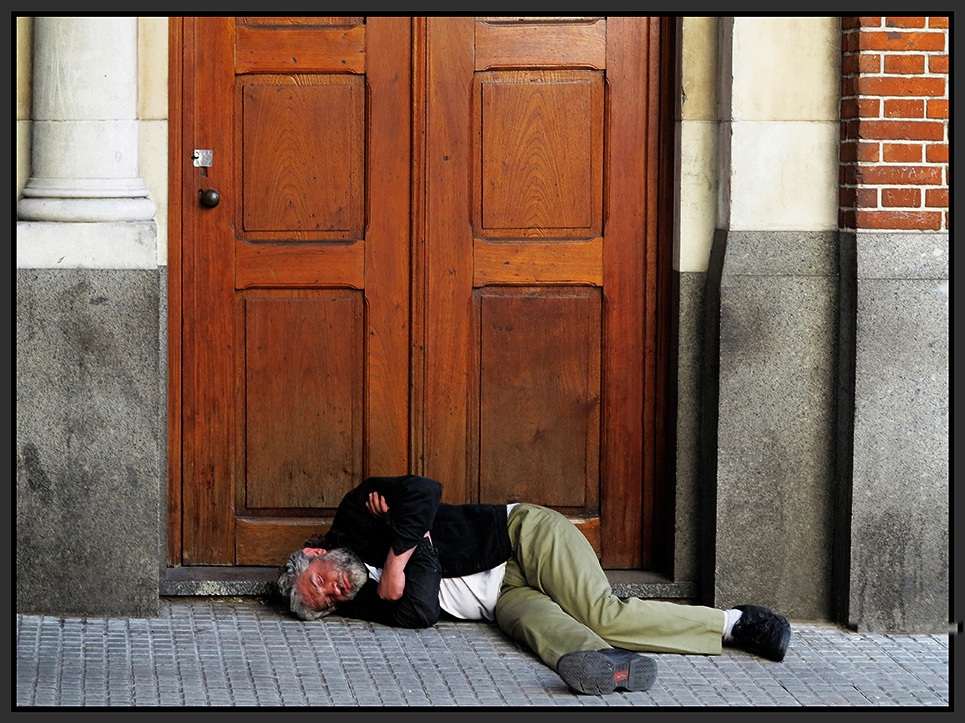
column 219, row 581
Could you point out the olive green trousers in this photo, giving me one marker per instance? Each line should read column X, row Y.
column 556, row 599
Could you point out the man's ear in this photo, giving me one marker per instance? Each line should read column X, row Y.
column 313, row 551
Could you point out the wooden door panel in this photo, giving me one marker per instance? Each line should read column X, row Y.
column 334, row 45
column 302, row 402
column 299, row 265
column 540, row 41
column 308, row 288
column 530, row 260
column 538, row 155
column 302, row 156
column 539, row 396
column 207, row 334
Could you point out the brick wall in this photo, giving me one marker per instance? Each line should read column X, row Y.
column 894, row 124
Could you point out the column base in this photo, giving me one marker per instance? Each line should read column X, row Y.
column 90, row 210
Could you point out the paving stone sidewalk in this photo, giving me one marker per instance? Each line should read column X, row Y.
column 246, row 652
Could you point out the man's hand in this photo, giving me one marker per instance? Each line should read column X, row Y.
column 376, row 505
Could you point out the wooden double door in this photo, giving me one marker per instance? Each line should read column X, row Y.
column 432, row 245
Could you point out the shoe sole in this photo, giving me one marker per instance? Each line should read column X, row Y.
column 592, row 673
column 785, row 641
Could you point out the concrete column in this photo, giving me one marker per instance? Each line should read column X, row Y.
column 85, row 133
column 771, row 297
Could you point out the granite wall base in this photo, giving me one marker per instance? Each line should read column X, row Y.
column 90, row 441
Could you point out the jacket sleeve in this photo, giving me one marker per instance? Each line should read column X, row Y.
column 413, row 502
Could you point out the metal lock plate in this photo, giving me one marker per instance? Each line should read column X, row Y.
column 202, row 158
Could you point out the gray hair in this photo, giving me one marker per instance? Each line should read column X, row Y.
column 298, row 562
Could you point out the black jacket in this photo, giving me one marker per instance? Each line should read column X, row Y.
column 465, row 539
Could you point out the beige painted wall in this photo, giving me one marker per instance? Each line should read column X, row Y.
column 781, row 126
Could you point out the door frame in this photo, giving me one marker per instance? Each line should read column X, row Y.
column 659, row 407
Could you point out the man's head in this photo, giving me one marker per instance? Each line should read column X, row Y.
column 314, row 580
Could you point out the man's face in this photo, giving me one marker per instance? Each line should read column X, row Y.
column 324, row 584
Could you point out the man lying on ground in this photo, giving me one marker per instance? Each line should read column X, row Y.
column 395, row 554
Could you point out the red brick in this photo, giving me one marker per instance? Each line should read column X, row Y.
column 901, row 41
column 869, row 108
column 904, row 108
column 937, row 108
column 915, row 86
column 938, row 64
column 870, row 21
column 870, row 62
column 849, row 64
column 940, row 21
column 848, row 108
column 936, row 153
column 899, row 220
column 936, row 197
column 848, row 129
column 847, row 151
column 900, row 197
column 901, row 130
column 905, row 64
column 849, row 22
column 902, row 153
column 847, row 175
column 846, row 198
column 849, row 86
column 900, row 175
column 866, row 198
column 869, row 152
column 903, row 22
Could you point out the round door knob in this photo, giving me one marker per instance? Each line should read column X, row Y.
column 210, row 198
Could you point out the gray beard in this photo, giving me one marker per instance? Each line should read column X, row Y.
column 352, row 565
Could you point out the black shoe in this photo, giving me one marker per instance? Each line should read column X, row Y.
column 762, row 632
column 595, row 672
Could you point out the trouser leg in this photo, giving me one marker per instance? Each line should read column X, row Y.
column 551, row 556
column 531, row 617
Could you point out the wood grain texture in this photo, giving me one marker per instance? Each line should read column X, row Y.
column 279, row 49
column 449, row 48
column 506, row 42
column 540, row 263
column 281, row 265
column 624, row 271
column 538, row 165
column 303, row 399
column 539, row 396
column 302, row 157
column 208, row 295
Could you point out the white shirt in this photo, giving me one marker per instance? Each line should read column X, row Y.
column 470, row 597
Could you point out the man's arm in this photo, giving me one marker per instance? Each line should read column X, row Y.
column 410, row 505
column 392, row 581
column 418, row 607
column 414, row 501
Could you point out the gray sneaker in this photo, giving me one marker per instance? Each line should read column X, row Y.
column 597, row 672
